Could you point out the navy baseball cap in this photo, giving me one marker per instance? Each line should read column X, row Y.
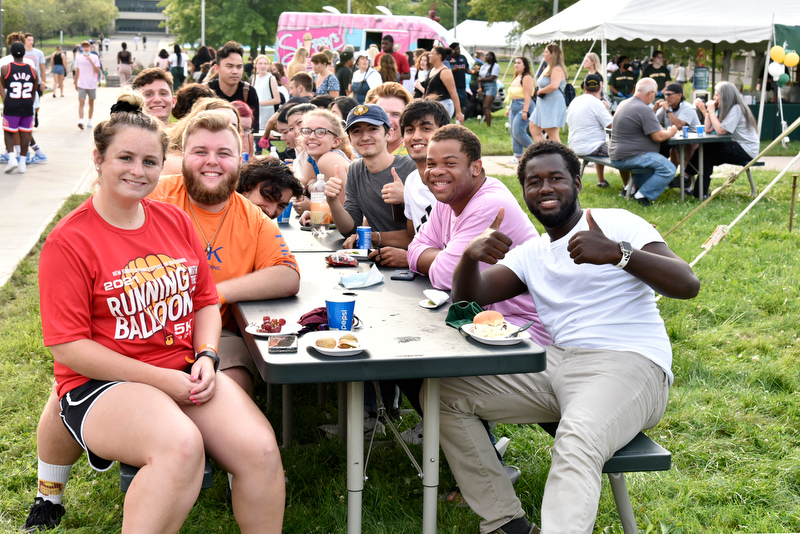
column 593, row 81
column 369, row 113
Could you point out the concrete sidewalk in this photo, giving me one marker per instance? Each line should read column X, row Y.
column 28, row 202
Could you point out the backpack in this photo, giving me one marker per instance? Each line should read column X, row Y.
column 569, row 94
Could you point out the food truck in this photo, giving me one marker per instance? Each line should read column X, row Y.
column 336, row 30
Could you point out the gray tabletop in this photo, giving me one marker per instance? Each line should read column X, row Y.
column 694, row 139
column 401, row 339
column 304, row 241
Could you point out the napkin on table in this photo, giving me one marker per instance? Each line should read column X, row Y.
column 437, row 297
column 370, row 278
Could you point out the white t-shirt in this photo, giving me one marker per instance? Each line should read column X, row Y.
column 9, row 58
column 685, row 112
column 173, row 60
column 484, row 72
column 587, row 118
column 408, row 84
column 418, row 199
column 373, row 78
column 263, row 87
column 595, row 306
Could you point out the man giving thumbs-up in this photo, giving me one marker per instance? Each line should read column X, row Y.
column 593, row 278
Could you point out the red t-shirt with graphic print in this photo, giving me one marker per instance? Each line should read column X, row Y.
column 132, row 291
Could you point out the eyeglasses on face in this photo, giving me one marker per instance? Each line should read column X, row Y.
column 318, row 132
column 667, row 95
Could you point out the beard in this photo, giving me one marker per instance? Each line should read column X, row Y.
column 209, row 197
column 556, row 220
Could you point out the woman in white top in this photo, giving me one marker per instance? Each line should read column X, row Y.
column 266, row 87
column 177, row 66
column 364, row 78
column 423, row 69
column 327, row 145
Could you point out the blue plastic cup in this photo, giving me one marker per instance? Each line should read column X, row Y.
column 340, row 312
column 285, row 215
column 701, row 130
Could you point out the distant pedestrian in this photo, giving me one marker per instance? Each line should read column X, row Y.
column 87, row 68
column 124, row 64
column 59, row 62
column 18, row 106
column 144, row 42
column 136, row 41
column 177, row 66
column 106, row 42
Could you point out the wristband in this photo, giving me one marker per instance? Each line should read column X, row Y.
column 209, row 354
column 379, row 239
column 222, row 300
column 207, row 346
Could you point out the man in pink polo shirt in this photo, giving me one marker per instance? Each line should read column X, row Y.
column 87, row 67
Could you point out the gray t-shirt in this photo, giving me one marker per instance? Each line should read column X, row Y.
column 735, row 123
column 633, row 123
column 363, row 194
column 685, row 112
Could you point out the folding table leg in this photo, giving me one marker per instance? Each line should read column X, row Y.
column 355, row 455
column 342, row 410
column 430, row 454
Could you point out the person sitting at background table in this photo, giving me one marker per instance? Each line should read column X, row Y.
column 593, row 273
column 726, row 114
column 245, row 127
column 674, row 109
column 123, row 388
column 269, row 184
column 622, row 82
column 588, row 119
column 635, row 142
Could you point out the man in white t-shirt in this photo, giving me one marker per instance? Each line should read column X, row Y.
column 588, row 117
column 592, row 277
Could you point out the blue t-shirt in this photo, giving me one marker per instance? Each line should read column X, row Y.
column 458, row 64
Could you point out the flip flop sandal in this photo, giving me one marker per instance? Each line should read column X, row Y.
column 602, row 184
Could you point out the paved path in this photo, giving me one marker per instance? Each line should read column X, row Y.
column 29, row 201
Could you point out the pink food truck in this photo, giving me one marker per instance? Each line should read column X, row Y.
column 334, row 30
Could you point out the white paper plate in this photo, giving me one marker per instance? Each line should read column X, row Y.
column 426, row 303
column 288, row 328
column 469, row 329
column 312, row 337
column 357, row 253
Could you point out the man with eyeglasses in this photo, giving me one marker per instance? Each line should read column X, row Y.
column 674, row 110
column 635, row 143
column 156, row 87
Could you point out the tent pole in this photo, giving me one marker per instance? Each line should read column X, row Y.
column 713, row 68
column 764, row 83
column 604, row 60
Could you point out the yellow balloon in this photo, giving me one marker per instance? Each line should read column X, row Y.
column 791, row 59
column 777, row 53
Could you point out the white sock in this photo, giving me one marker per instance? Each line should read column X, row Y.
column 638, row 194
column 230, row 479
column 16, row 150
column 52, row 481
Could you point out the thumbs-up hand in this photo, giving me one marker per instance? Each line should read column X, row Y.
column 592, row 245
column 334, row 185
column 393, row 192
column 492, row 244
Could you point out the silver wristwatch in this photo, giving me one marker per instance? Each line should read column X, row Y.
column 627, row 252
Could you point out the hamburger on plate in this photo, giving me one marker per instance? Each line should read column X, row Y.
column 490, row 323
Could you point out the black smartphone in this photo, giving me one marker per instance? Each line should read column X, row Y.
column 404, row 274
column 283, row 343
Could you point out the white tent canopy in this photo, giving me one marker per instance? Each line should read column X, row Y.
column 734, row 24
column 479, row 33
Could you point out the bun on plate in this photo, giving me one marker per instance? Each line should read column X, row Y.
column 490, row 323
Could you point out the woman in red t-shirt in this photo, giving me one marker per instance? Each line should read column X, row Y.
column 129, row 311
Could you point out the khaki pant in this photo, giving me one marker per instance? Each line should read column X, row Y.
column 602, row 400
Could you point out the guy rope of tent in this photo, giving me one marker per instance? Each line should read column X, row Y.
column 732, row 178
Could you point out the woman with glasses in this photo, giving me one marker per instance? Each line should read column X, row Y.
column 327, row 146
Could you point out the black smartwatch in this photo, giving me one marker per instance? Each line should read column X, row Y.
column 210, row 354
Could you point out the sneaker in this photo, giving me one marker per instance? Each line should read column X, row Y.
column 517, row 526
column 644, row 201
column 513, row 161
column 21, row 166
column 413, row 436
column 80, row 124
column 29, row 157
column 89, row 124
column 38, row 158
column 3, row 158
column 43, row 515
column 12, row 165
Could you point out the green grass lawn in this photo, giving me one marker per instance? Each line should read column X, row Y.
column 731, row 424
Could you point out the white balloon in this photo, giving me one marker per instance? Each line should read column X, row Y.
column 775, row 69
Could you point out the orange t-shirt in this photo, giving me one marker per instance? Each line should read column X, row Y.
column 247, row 240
